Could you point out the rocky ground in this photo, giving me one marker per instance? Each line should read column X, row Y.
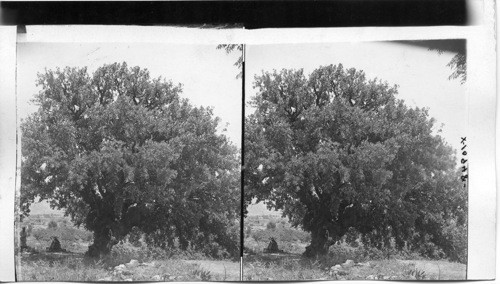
column 203, row 270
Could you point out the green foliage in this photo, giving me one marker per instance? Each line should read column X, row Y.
column 271, row 225
column 52, row 224
column 416, row 274
column 41, row 235
column 122, row 253
column 335, row 150
column 248, row 231
column 230, row 48
column 29, row 229
column 459, row 66
column 134, row 237
column 372, row 253
column 202, row 274
column 119, row 149
column 351, row 237
column 458, row 244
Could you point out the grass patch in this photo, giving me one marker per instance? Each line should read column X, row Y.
column 286, row 268
column 60, row 267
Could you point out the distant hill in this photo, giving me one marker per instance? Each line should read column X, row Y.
column 43, row 207
column 260, row 208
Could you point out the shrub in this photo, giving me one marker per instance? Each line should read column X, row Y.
column 271, row 225
column 351, row 237
column 29, row 229
column 41, row 235
column 457, row 251
column 338, row 254
column 416, row 274
column 248, row 231
column 203, row 275
column 209, row 248
column 123, row 253
column 373, row 253
column 52, row 224
column 134, row 237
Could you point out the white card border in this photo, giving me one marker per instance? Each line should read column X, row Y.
column 481, row 90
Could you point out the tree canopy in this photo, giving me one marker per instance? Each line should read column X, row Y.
column 334, row 150
column 119, row 150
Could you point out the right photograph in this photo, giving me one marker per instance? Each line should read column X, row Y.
column 355, row 161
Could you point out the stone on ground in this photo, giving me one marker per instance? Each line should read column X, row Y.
column 348, row 263
column 336, row 267
column 148, row 264
column 132, row 263
column 120, row 267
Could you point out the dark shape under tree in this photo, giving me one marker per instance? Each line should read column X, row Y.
column 272, row 247
column 55, row 246
column 336, row 152
column 23, row 237
column 119, row 150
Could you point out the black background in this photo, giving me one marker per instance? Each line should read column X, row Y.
column 250, row 14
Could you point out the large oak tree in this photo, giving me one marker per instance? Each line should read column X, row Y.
column 120, row 150
column 336, row 151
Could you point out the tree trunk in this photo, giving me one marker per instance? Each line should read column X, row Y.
column 102, row 243
column 319, row 244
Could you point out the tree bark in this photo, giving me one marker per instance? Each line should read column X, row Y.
column 319, row 244
column 103, row 242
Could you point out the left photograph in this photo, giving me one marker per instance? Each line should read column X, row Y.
column 129, row 162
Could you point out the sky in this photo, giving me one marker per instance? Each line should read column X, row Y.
column 207, row 74
column 422, row 76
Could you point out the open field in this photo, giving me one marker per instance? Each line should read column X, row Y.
column 344, row 261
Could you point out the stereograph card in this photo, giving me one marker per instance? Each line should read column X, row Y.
column 185, row 154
